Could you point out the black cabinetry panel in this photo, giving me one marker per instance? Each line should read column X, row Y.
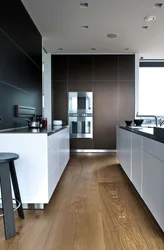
column 18, row 25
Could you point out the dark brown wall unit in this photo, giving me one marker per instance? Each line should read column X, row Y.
column 20, row 63
column 112, row 80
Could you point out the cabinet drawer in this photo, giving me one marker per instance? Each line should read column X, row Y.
column 153, row 171
column 153, row 147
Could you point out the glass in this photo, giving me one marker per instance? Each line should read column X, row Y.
column 44, row 123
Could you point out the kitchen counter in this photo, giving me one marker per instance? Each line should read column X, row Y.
column 43, row 156
column 141, row 155
column 27, row 130
column 144, row 131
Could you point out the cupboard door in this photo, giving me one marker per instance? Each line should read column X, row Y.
column 125, row 151
column 136, row 161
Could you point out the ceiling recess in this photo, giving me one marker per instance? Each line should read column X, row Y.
column 83, row 5
column 112, row 35
column 85, row 27
column 149, row 18
column 158, row 5
column 145, row 27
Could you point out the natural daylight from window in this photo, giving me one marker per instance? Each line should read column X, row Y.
column 151, row 91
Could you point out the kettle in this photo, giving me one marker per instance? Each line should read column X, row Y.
column 33, row 124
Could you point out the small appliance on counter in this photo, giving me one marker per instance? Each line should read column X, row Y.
column 57, row 124
column 36, row 122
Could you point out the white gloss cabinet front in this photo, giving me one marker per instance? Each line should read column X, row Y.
column 147, row 168
column 40, row 166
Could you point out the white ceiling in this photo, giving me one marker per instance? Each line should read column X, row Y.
column 60, row 21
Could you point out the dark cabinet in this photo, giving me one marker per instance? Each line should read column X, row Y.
column 80, row 68
column 105, row 67
column 18, row 25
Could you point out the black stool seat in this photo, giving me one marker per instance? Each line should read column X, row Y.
column 7, row 157
column 7, row 170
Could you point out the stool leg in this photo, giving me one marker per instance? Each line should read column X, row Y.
column 16, row 188
column 7, row 204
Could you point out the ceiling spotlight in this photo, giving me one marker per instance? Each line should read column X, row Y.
column 83, row 5
column 144, row 27
column 112, row 35
column 85, row 27
column 149, row 18
column 158, row 5
column 60, row 49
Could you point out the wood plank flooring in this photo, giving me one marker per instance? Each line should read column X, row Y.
column 93, row 208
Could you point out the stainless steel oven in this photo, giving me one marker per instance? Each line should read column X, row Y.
column 80, row 114
column 81, row 125
column 80, row 102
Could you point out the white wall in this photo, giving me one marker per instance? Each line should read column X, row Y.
column 46, row 88
column 137, row 65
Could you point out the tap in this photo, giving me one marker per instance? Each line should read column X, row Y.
column 156, row 119
column 161, row 123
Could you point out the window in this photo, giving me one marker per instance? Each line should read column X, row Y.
column 151, row 91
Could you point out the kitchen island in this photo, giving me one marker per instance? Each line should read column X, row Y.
column 44, row 155
column 141, row 155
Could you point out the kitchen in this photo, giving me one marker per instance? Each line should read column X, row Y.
column 74, row 193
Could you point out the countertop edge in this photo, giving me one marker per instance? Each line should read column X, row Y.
column 26, row 130
column 147, row 135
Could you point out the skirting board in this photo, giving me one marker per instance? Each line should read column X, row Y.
column 93, row 150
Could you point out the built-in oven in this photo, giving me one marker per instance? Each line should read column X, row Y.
column 80, row 114
column 81, row 125
column 80, row 102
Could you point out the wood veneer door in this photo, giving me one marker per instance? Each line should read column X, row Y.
column 127, row 67
column 105, row 114
column 80, row 68
column 60, row 101
column 126, row 100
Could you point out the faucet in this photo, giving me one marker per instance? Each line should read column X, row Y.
column 161, row 123
column 156, row 119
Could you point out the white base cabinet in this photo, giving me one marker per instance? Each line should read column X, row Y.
column 42, row 161
column 147, row 168
column 136, row 161
column 124, row 150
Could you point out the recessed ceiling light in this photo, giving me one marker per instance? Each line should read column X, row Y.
column 145, row 27
column 83, row 5
column 149, row 18
column 93, row 48
column 112, row 35
column 158, row 5
column 85, row 27
column 60, row 49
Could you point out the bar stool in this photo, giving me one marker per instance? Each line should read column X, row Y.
column 7, row 169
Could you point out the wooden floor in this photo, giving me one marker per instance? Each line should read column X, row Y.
column 93, row 208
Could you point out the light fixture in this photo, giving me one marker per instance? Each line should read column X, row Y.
column 112, row 35
column 149, row 18
column 158, row 5
column 126, row 49
column 60, row 49
column 83, row 5
column 85, row 27
column 93, row 49
column 144, row 27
